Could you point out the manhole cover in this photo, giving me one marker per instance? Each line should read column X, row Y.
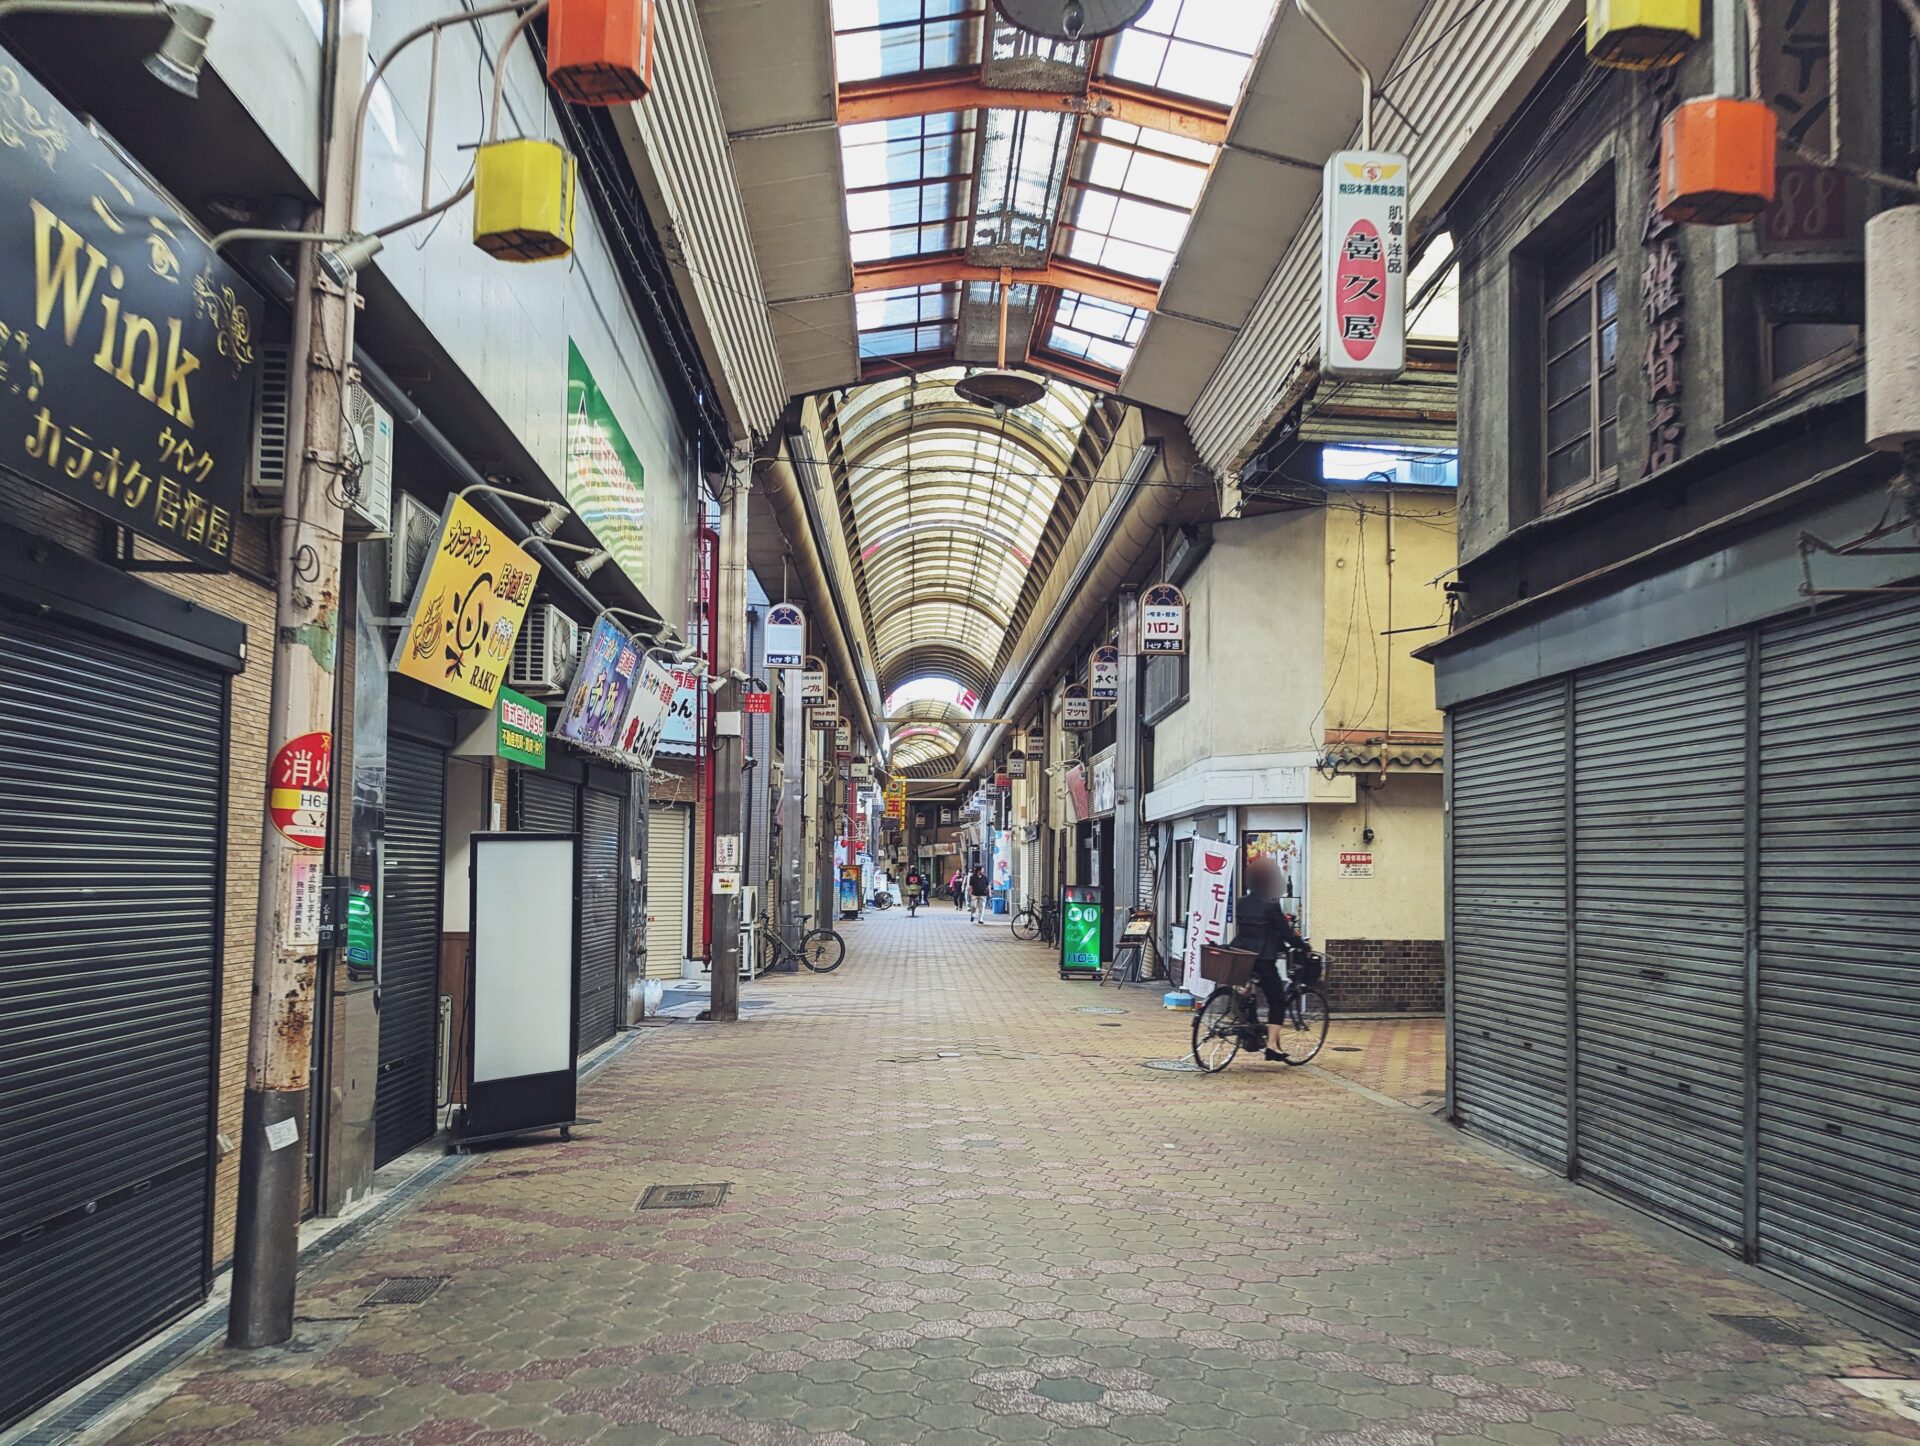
column 1172, row 1066
column 406, row 1289
column 1773, row 1329
column 1098, row 1009
column 682, row 1197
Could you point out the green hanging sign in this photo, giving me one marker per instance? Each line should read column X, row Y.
column 522, row 727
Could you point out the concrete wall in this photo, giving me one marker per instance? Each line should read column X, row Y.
column 1255, row 623
column 1359, row 588
column 1405, row 898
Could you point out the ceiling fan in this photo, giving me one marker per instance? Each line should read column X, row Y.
column 1072, row 19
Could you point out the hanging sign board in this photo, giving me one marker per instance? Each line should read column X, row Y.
column 825, row 716
column 861, row 769
column 842, row 741
column 467, row 608
column 786, row 636
column 603, row 685
column 298, row 787
column 897, row 799
column 520, row 726
column 647, row 711
column 1077, row 710
column 756, row 703
column 1017, row 765
column 1103, row 674
column 1363, row 265
column 813, row 682
column 128, row 354
column 1163, row 619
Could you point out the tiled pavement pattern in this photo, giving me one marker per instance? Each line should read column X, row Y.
column 962, row 1212
column 1402, row 1058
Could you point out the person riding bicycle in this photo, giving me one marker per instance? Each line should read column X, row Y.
column 1268, row 934
column 915, row 888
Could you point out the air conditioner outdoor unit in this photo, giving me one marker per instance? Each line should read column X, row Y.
column 369, row 485
column 267, row 474
column 545, row 653
column 415, row 528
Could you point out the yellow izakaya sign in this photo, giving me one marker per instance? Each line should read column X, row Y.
column 467, row 608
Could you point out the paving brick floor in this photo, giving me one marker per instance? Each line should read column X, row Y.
column 1405, row 1059
column 961, row 1211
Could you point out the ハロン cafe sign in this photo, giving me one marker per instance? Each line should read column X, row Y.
column 127, row 352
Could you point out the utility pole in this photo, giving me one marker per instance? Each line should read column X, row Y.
column 306, row 650
column 729, row 751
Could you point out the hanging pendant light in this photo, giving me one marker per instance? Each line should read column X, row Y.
column 523, row 195
column 1718, row 154
column 600, row 52
column 1001, row 390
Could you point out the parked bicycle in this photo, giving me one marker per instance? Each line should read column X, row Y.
column 1037, row 921
column 821, row 950
column 881, row 899
column 1229, row 1021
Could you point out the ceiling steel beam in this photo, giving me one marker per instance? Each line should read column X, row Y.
column 1061, row 273
column 935, row 92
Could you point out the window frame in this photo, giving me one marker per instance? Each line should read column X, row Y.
column 1585, row 283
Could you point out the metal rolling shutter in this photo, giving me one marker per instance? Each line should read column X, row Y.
column 1509, row 918
column 1660, row 916
column 669, row 845
column 545, row 805
column 111, row 772
column 1839, row 1127
column 403, row 1104
column 602, row 861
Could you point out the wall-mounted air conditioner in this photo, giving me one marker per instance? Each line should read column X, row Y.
column 366, row 472
column 415, row 527
column 368, row 480
column 545, row 653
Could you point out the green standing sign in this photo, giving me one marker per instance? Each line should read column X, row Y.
column 522, row 725
column 1083, row 920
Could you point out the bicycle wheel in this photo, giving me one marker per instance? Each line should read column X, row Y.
column 1305, row 1029
column 1026, row 925
column 1216, row 1031
column 821, row 950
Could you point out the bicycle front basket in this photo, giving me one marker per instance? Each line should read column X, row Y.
column 1306, row 966
column 1226, row 968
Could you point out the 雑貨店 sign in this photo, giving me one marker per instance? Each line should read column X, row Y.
column 127, row 350
column 467, row 608
column 1363, row 265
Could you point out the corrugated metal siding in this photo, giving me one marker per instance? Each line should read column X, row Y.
column 110, row 839
column 1839, row 988
column 1660, row 849
column 545, row 805
column 669, row 863
column 403, row 1101
column 686, row 140
column 602, row 862
column 1446, row 85
column 1509, row 918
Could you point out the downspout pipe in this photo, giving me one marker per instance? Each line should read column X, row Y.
column 783, row 487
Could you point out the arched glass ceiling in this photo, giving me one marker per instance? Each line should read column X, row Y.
column 947, row 506
column 932, row 689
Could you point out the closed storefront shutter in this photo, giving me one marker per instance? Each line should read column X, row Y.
column 1839, row 1126
column 410, row 947
column 669, row 844
column 545, row 805
column 602, row 862
column 1509, row 925
column 111, row 766
column 1660, row 833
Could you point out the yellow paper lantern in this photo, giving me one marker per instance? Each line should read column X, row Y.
column 1641, row 34
column 523, row 194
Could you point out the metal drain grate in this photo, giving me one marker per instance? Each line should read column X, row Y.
column 405, row 1289
column 682, row 1197
column 1098, row 1009
column 1774, row 1330
column 1346, row 1048
column 1109, row 1024
column 1171, row 1066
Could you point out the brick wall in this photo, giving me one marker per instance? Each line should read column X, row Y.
column 1386, row 975
column 248, row 600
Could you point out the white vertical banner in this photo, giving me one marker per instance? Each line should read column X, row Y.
column 1363, row 265
column 1207, row 896
column 786, row 636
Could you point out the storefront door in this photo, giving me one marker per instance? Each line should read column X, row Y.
column 409, row 977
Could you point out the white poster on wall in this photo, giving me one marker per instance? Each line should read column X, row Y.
column 1207, row 900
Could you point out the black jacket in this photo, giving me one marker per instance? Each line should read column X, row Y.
column 1262, row 927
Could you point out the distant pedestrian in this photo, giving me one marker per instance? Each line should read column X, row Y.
column 977, row 895
column 957, row 888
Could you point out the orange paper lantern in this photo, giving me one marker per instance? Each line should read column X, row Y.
column 1717, row 160
column 600, row 52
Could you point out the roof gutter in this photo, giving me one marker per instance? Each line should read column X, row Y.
column 1128, row 526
